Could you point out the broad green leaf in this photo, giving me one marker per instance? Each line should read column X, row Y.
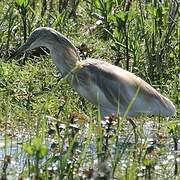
column 43, row 150
column 29, row 149
column 22, row 2
column 122, row 15
column 36, row 143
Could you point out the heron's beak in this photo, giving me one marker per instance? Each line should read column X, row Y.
column 20, row 50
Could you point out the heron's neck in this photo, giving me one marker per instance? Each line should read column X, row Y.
column 64, row 58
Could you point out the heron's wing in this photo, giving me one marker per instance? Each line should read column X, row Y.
column 120, row 86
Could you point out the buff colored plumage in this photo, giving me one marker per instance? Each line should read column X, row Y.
column 109, row 87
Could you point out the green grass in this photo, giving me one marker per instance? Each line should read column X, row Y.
column 55, row 132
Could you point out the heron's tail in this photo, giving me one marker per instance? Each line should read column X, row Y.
column 169, row 109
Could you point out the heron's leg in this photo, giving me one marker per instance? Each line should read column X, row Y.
column 134, row 129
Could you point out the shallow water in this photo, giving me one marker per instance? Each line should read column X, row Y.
column 12, row 148
column 11, row 156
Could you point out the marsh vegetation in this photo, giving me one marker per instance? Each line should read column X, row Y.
column 47, row 131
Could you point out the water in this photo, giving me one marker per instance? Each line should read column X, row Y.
column 12, row 157
column 11, row 148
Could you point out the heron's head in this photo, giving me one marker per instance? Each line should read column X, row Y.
column 41, row 37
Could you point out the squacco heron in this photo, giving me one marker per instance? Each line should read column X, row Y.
column 107, row 86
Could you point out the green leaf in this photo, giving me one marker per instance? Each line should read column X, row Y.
column 149, row 162
column 152, row 10
column 29, row 149
column 132, row 15
column 43, row 150
column 36, row 143
column 22, row 2
column 97, row 4
column 121, row 15
column 109, row 5
column 172, row 55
